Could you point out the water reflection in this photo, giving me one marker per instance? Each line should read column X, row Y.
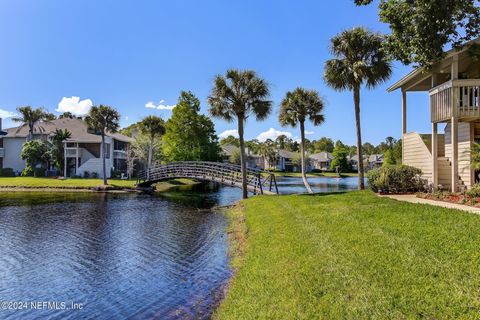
column 127, row 256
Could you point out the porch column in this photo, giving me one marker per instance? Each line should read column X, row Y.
column 454, row 70
column 404, row 121
column 454, row 160
column 76, row 159
column 64, row 159
column 434, row 156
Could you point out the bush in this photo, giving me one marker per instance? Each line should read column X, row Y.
column 27, row 172
column 7, row 172
column 396, row 179
column 86, row 174
column 39, row 172
column 95, row 175
column 474, row 191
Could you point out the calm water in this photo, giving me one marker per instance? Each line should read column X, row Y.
column 287, row 185
column 120, row 256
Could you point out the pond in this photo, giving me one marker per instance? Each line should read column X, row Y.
column 119, row 256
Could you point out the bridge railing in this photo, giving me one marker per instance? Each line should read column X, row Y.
column 225, row 173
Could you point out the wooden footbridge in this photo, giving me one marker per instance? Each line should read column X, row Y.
column 258, row 181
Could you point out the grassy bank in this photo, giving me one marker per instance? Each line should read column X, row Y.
column 32, row 183
column 353, row 256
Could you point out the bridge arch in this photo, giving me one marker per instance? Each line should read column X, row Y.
column 258, row 181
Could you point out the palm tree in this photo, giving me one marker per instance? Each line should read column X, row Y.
column 103, row 119
column 151, row 126
column 297, row 107
column 30, row 117
column 359, row 60
column 238, row 95
column 57, row 140
column 267, row 152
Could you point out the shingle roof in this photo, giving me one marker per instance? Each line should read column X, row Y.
column 321, row 156
column 287, row 154
column 77, row 127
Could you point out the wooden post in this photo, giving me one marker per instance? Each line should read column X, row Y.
column 404, row 122
column 434, row 156
column 64, row 159
column 454, row 160
column 76, row 160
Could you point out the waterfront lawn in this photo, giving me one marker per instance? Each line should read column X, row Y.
column 353, row 256
column 32, row 182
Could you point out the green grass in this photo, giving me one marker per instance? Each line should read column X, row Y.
column 31, row 182
column 353, row 256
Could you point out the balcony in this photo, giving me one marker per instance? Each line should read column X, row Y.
column 2, row 152
column 119, row 154
column 459, row 98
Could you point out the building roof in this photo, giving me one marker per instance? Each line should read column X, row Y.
column 321, row 156
column 229, row 149
column 286, row 154
column 369, row 158
column 419, row 79
column 77, row 127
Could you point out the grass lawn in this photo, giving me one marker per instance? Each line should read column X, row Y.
column 352, row 256
column 31, row 182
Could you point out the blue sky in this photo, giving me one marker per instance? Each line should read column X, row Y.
column 129, row 53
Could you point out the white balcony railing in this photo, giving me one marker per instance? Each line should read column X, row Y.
column 2, row 152
column 119, row 154
column 72, row 152
column 459, row 98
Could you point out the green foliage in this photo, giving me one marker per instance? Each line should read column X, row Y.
column 340, row 161
column 57, row 148
column 95, row 175
column 297, row 160
column 190, row 135
column 421, row 29
column 29, row 117
column 231, row 140
column 140, row 146
column 396, row 179
column 368, row 148
column 475, row 156
column 389, row 158
column 27, row 171
column 7, row 172
column 474, row 191
column 102, row 118
column 235, row 157
column 323, row 144
column 34, row 152
column 86, row 174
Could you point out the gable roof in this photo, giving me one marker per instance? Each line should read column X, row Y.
column 420, row 75
column 286, row 154
column 77, row 127
column 321, row 156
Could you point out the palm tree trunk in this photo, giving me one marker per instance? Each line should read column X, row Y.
column 150, row 155
column 302, row 147
column 243, row 158
column 103, row 160
column 356, row 100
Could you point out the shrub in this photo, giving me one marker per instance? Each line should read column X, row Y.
column 86, row 174
column 396, row 179
column 27, row 172
column 7, row 172
column 95, row 175
column 474, row 191
column 39, row 172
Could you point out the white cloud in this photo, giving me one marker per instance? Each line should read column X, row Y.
column 228, row 133
column 74, row 105
column 309, row 132
column 4, row 114
column 273, row 134
column 159, row 106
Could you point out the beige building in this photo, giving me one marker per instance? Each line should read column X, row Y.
column 453, row 85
